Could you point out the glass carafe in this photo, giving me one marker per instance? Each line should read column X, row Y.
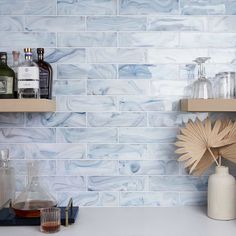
column 34, row 197
column 7, row 178
column 202, row 87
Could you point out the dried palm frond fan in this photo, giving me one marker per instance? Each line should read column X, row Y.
column 203, row 143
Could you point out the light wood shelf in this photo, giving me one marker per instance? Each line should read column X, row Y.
column 208, row 105
column 27, row 105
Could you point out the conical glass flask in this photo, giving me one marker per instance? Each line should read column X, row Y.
column 202, row 87
column 34, row 197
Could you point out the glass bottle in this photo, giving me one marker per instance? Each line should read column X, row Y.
column 7, row 78
column 34, row 196
column 28, row 77
column 16, row 62
column 7, row 178
column 45, row 75
column 202, row 87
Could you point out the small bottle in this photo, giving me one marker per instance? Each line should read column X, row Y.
column 7, row 78
column 7, row 178
column 16, row 62
column 28, row 77
column 45, row 75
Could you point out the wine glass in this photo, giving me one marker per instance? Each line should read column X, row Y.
column 202, row 87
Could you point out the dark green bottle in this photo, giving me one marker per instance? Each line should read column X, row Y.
column 7, row 78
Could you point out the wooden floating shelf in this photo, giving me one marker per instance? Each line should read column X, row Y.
column 208, row 105
column 27, row 105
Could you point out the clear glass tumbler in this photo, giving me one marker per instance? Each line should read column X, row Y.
column 225, row 85
column 50, row 220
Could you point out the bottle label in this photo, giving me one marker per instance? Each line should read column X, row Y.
column 28, row 73
column 6, row 85
column 24, row 84
column 44, row 80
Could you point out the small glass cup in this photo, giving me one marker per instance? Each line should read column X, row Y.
column 50, row 220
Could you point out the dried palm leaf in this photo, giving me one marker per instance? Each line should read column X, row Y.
column 198, row 139
column 229, row 152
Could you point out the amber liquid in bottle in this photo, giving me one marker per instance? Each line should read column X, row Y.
column 45, row 75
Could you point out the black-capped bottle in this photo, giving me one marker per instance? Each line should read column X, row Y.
column 28, row 77
column 7, row 78
column 45, row 75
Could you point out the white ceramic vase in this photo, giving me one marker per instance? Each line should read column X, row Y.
column 221, row 195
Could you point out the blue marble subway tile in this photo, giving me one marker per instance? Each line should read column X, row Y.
column 222, row 24
column 87, row 39
column 147, row 199
column 116, row 23
column 46, row 167
column 117, row 183
column 26, row 7
column 117, row 119
column 193, row 198
column 86, row 167
column 55, row 23
column 27, row 135
column 117, row 55
column 55, row 151
column 226, row 56
column 60, row 119
column 178, row 183
column 11, row 23
column 149, row 167
column 117, row 151
column 89, row 199
column 148, row 7
column 64, row 183
column 65, row 55
column 86, row 103
column 12, row 120
column 162, row 151
column 179, row 55
column 145, row 103
column 31, row 39
column 117, row 87
column 148, row 39
column 148, row 135
column 177, row 23
column 162, row 88
column 86, row 7
column 172, row 119
column 69, row 87
column 86, row 71
column 207, row 7
column 213, row 69
column 148, row 71
column 221, row 40
column 87, row 135
column 16, row 151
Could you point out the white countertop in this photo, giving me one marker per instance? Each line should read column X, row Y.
column 174, row 221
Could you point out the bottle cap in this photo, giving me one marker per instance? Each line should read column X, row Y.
column 28, row 50
column 3, row 55
column 40, row 50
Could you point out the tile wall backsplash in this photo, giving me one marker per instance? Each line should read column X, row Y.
column 120, row 68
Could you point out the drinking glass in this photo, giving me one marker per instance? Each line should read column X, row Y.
column 50, row 220
column 225, row 85
column 202, row 87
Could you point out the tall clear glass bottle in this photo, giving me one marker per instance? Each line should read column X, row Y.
column 28, row 77
column 16, row 63
column 7, row 78
column 45, row 75
column 7, row 178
